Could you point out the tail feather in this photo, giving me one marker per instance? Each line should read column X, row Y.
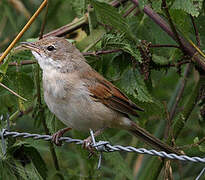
column 150, row 139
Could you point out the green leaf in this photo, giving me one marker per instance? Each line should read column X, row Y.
column 4, row 67
column 201, row 146
column 132, row 83
column 120, row 41
column 196, row 140
column 109, row 15
column 30, row 157
column 79, row 6
column 189, row 6
column 143, row 3
column 160, row 59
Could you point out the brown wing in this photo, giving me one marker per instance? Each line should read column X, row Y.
column 105, row 92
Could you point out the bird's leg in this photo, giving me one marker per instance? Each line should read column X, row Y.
column 56, row 136
column 87, row 142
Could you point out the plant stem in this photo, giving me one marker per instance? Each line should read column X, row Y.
column 180, row 91
column 162, row 45
column 23, row 30
column 188, row 48
column 69, row 27
column 164, row 6
column 96, row 53
column 129, row 11
column 79, row 23
column 24, row 62
column 44, row 22
column 196, row 31
column 51, row 146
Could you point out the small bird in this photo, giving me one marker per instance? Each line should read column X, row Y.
column 80, row 97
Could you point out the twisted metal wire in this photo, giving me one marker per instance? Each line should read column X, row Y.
column 103, row 146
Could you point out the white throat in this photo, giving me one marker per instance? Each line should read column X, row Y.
column 46, row 63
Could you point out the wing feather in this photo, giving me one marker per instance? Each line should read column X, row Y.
column 105, row 92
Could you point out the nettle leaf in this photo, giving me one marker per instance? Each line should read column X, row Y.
column 29, row 157
column 109, row 15
column 189, row 6
column 4, row 67
column 160, row 59
column 132, row 83
column 79, row 6
column 143, row 3
column 120, row 41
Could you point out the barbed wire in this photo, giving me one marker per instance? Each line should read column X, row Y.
column 102, row 146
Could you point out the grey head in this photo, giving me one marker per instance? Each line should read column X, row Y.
column 57, row 53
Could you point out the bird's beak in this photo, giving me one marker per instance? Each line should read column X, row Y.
column 31, row 46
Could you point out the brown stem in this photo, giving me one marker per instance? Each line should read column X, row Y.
column 24, row 62
column 168, row 124
column 162, row 45
column 180, row 91
column 51, row 146
column 23, row 30
column 196, row 31
column 100, row 52
column 117, row 3
column 188, row 48
column 78, row 24
column 129, row 11
column 193, row 145
column 165, row 7
column 69, row 27
column 44, row 22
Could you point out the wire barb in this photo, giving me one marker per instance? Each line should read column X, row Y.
column 103, row 146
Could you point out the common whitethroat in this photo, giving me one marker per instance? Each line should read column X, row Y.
column 80, row 97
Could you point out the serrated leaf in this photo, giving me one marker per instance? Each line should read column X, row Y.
column 120, row 41
column 4, row 67
column 109, row 15
column 132, row 83
column 79, row 7
column 143, row 3
column 190, row 6
column 202, row 148
column 160, row 59
column 196, row 140
column 30, row 157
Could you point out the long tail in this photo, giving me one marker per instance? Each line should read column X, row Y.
column 150, row 139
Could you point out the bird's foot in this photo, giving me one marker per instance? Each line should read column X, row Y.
column 56, row 136
column 87, row 144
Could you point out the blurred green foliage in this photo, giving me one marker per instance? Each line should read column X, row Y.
column 152, row 87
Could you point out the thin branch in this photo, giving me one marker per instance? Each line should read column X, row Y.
column 69, row 27
column 11, row 91
column 117, row 3
column 96, row 53
column 163, row 46
column 188, row 48
column 180, row 91
column 165, row 7
column 20, row 113
column 193, row 145
column 62, row 31
column 196, row 31
column 44, row 22
column 129, row 11
column 24, row 62
column 23, row 30
column 168, row 124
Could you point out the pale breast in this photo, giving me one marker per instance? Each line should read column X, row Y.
column 71, row 102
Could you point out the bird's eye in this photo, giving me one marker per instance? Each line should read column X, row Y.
column 51, row 48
